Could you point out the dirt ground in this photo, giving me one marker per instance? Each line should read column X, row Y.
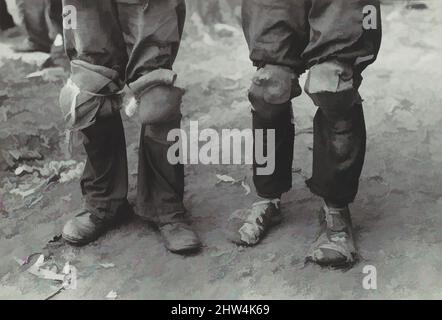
column 397, row 213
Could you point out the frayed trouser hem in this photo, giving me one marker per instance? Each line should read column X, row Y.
column 345, row 198
column 162, row 216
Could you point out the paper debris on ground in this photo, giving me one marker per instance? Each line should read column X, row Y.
column 225, row 178
column 61, row 171
column 23, row 193
column 48, row 74
column 26, row 260
column 232, row 181
column 74, row 173
column 53, row 167
column 24, row 154
column 21, row 262
column 39, row 270
column 112, row 295
column 70, row 280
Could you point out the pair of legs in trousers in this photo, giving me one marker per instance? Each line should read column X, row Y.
column 134, row 43
column 331, row 40
column 43, row 21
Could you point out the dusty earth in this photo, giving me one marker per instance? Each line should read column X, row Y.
column 397, row 213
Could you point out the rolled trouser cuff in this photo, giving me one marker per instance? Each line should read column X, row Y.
column 108, row 210
column 172, row 213
column 345, row 198
column 274, row 195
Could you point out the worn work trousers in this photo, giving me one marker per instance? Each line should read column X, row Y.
column 42, row 20
column 132, row 37
column 301, row 34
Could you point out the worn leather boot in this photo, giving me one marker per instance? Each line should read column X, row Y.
column 248, row 227
column 83, row 229
column 334, row 246
column 179, row 237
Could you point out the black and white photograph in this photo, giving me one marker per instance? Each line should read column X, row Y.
column 208, row 150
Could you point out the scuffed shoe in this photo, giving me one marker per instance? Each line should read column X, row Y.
column 248, row 227
column 83, row 229
column 334, row 246
column 179, row 237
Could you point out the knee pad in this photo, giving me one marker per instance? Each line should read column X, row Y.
column 156, row 97
column 160, row 104
column 91, row 91
column 273, row 87
column 331, row 85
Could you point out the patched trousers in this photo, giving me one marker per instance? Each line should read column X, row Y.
column 117, row 43
column 335, row 40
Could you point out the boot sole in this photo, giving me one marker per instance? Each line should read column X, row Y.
column 186, row 250
column 78, row 243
